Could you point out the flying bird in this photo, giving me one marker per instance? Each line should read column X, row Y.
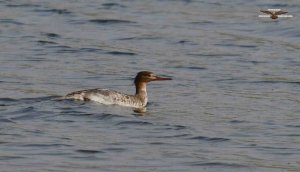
column 273, row 14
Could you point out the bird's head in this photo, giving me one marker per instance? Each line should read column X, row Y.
column 146, row 76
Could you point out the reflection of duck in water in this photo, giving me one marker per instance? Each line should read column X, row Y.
column 273, row 14
column 110, row 97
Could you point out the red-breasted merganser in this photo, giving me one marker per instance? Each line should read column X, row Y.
column 110, row 97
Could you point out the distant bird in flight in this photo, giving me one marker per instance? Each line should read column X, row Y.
column 273, row 14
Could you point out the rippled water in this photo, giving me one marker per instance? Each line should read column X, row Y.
column 233, row 104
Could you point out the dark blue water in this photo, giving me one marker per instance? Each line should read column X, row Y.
column 233, row 103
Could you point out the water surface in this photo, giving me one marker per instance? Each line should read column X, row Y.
column 233, row 103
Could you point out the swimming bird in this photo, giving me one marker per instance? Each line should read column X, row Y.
column 112, row 97
column 273, row 14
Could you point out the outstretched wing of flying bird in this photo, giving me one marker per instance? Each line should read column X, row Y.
column 267, row 12
column 280, row 12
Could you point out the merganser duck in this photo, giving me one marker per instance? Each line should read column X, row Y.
column 111, row 97
column 274, row 14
